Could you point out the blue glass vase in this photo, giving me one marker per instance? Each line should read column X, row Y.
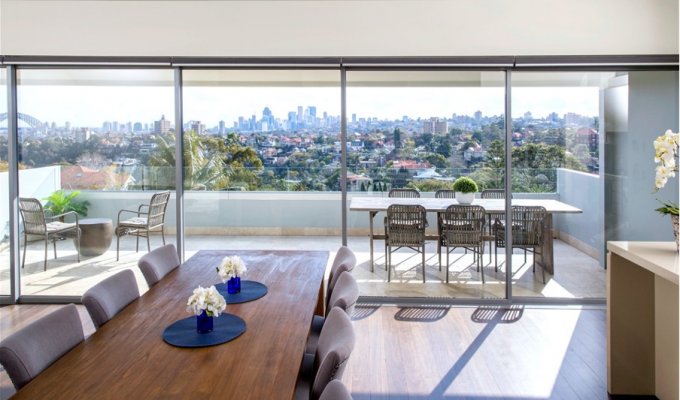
column 234, row 285
column 204, row 323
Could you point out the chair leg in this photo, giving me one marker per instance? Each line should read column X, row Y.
column 45, row 263
column 423, row 262
column 163, row 235
column 54, row 244
column 447, row 264
column 148, row 243
column 388, row 262
column 137, row 249
column 117, row 247
column 23, row 260
column 386, row 250
column 480, row 263
column 78, row 246
column 439, row 253
column 495, row 250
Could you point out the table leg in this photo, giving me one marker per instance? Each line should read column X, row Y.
column 371, row 215
column 546, row 259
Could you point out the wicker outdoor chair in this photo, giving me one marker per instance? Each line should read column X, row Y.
column 442, row 194
column 404, row 227
column 493, row 194
column 404, row 193
column 527, row 232
column 145, row 222
column 48, row 228
column 463, row 226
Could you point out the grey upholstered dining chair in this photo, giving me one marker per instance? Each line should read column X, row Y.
column 144, row 222
column 463, row 226
column 336, row 343
column 158, row 263
column 345, row 260
column 345, row 296
column 404, row 227
column 105, row 299
column 335, row 390
column 27, row 352
column 527, row 232
column 49, row 229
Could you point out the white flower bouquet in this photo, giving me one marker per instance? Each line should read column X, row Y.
column 666, row 153
column 231, row 267
column 208, row 300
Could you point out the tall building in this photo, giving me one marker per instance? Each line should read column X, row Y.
column 221, row 128
column 161, row 126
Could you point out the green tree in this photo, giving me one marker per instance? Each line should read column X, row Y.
column 397, row 138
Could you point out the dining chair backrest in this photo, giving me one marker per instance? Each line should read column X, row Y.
column 527, row 225
column 463, row 225
column 27, row 352
column 33, row 215
column 445, row 194
column 157, row 206
column 335, row 390
column 158, row 263
column 336, row 343
column 493, row 194
column 345, row 294
column 405, row 225
column 105, row 299
column 345, row 260
column 403, row 193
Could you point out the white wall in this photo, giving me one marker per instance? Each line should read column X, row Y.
column 338, row 28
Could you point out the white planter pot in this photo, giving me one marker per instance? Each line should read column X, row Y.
column 465, row 198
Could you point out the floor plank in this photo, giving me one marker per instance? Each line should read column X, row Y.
column 478, row 353
column 439, row 352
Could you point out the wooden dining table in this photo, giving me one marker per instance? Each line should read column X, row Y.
column 374, row 205
column 127, row 358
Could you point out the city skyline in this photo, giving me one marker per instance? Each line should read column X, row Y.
column 96, row 105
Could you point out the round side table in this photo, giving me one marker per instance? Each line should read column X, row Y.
column 95, row 236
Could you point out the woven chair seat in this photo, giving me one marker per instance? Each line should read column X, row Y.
column 136, row 222
column 66, row 228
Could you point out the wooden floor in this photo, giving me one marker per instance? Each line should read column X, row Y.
column 452, row 352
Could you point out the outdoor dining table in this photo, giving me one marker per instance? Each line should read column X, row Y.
column 127, row 358
column 374, row 205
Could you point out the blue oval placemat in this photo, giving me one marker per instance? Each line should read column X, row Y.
column 250, row 290
column 183, row 333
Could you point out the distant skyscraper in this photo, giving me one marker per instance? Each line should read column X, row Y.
column 161, row 126
column 300, row 115
column 137, row 127
column 197, row 127
column 441, row 126
column 221, row 128
column 312, row 111
column 478, row 115
column 354, row 118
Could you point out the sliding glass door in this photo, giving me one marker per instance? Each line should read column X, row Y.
column 582, row 147
column 4, row 183
column 95, row 141
column 262, row 165
column 422, row 130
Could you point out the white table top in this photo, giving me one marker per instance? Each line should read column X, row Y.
column 661, row 258
column 432, row 204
